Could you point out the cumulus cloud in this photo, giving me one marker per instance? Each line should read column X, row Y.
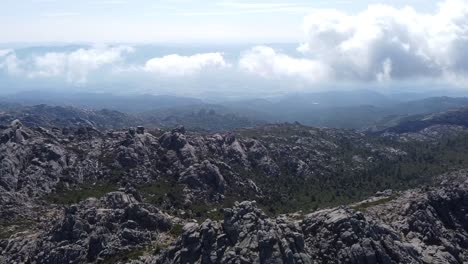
column 176, row 65
column 268, row 63
column 383, row 42
column 9, row 62
column 76, row 66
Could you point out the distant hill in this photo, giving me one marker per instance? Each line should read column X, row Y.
column 358, row 109
column 59, row 116
column 416, row 123
column 202, row 117
column 199, row 117
column 322, row 111
column 122, row 103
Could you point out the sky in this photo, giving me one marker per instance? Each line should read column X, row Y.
column 230, row 48
column 167, row 20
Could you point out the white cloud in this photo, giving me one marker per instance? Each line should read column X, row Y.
column 4, row 52
column 266, row 62
column 176, row 65
column 9, row 62
column 384, row 42
column 77, row 65
column 380, row 44
column 386, row 74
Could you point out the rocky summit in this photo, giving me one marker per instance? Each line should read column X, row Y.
column 282, row 193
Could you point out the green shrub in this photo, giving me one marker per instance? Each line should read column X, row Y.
column 66, row 197
column 177, row 230
column 365, row 206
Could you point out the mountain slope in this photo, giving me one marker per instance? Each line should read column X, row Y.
column 424, row 127
column 157, row 196
column 58, row 116
column 206, row 117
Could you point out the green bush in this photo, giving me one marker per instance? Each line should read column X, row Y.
column 365, row 206
column 71, row 196
column 177, row 230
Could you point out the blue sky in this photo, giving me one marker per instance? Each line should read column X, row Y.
column 159, row 21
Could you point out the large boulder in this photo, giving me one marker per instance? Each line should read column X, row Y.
column 204, row 175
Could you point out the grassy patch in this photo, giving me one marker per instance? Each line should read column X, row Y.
column 7, row 229
column 204, row 211
column 67, row 197
column 126, row 256
column 158, row 192
column 152, row 249
column 177, row 230
column 365, row 206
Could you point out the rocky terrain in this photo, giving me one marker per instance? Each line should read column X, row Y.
column 196, row 167
column 82, row 193
column 415, row 226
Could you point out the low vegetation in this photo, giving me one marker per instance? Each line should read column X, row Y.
column 366, row 205
column 177, row 230
column 423, row 160
column 66, row 196
column 7, row 228
column 125, row 256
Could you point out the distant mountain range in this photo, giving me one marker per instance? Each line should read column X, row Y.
column 198, row 117
column 62, row 116
column 122, row 103
column 359, row 109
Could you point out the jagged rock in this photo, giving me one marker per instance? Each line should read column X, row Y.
column 140, row 130
column 418, row 227
column 127, row 157
column 92, row 230
column 206, row 173
column 346, row 236
column 174, row 140
column 434, row 222
column 179, row 129
column 246, row 236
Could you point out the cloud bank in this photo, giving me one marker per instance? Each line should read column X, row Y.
column 267, row 63
column 77, row 65
column 9, row 62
